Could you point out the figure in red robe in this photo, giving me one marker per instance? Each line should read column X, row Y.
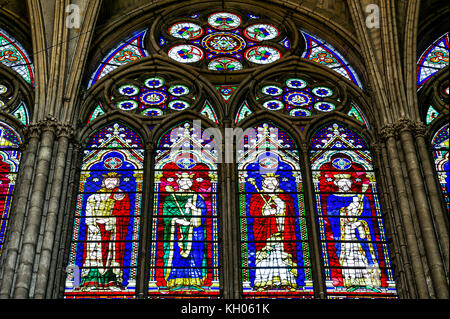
column 107, row 219
column 274, row 233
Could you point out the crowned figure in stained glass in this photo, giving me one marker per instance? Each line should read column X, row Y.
column 274, row 232
column 107, row 219
column 184, row 235
column 354, row 254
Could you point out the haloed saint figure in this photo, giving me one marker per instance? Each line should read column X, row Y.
column 184, row 235
column 275, row 265
column 107, row 219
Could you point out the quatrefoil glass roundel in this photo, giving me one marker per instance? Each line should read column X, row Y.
column 324, row 106
column 129, row 90
column 262, row 54
column 186, row 30
column 322, row 91
column 127, row 105
column 261, row 32
column 296, row 83
column 178, row 105
column 154, row 82
column 186, row 53
column 224, row 21
column 178, row 90
column 273, row 105
column 272, row 90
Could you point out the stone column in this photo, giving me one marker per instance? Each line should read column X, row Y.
column 35, row 211
column 313, row 229
column 401, row 264
column 64, row 133
column 405, row 128
column 402, row 198
column 18, row 211
column 439, row 215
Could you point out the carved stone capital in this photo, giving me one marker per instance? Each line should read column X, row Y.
column 387, row 132
column 420, row 130
column 49, row 124
column 65, row 130
column 32, row 131
column 404, row 125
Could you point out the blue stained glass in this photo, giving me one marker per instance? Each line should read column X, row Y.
column 440, row 144
column 274, row 249
column 184, row 248
column 107, row 218
column 130, row 50
column 353, row 240
column 319, row 51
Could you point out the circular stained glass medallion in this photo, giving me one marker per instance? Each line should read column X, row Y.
column 262, row 55
column 154, row 82
column 322, row 91
column 223, row 43
column 261, row 32
column 127, row 105
column 178, row 90
column 152, row 112
column 225, row 64
column 178, row 105
column 224, row 21
column 272, row 90
column 324, row 106
column 298, row 98
column 186, row 53
column 296, row 83
column 300, row 113
column 273, row 105
column 128, row 90
column 153, row 98
column 3, row 89
column 186, row 30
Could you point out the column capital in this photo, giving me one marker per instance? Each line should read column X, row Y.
column 387, row 131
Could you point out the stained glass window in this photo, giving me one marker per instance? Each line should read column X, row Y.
column 435, row 58
column 356, row 113
column 319, row 51
column 14, row 56
column 152, row 95
column 10, row 155
column 274, row 242
column 432, row 114
column 104, row 245
column 130, row 50
column 184, row 255
column 21, row 113
column 440, row 153
column 298, row 96
column 352, row 235
column 243, row 112
column 225, row 40
column 208, row 111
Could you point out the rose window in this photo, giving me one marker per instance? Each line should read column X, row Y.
column 152, row 96
column 298, row 97
column 224, row 41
